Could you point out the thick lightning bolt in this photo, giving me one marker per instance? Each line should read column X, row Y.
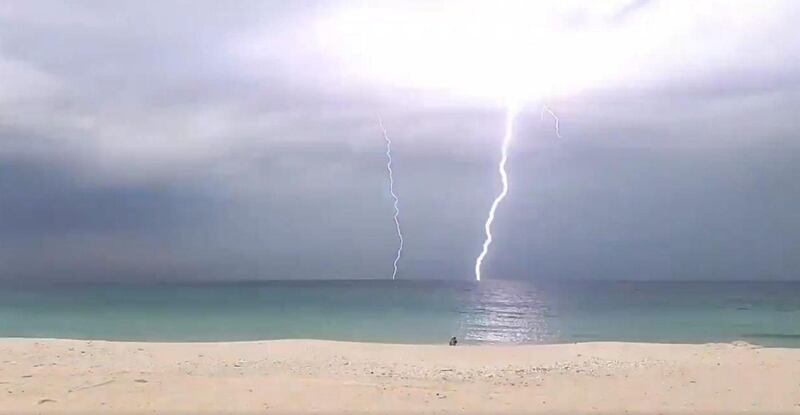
column 394, row 196
column 511, row 114
column 547, row 109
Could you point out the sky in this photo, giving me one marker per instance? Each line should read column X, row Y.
column 206, row 140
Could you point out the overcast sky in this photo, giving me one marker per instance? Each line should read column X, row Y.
column 239, row 140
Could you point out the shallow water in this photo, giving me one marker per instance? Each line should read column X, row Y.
column 409, row 311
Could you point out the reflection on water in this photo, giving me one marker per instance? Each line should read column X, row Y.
column 506, row 313
column 408, row 311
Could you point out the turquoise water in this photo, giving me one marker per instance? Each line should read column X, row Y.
column 408, row 311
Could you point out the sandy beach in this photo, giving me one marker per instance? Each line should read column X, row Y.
column 301, row 376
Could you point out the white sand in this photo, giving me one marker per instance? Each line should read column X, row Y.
column 300, row 376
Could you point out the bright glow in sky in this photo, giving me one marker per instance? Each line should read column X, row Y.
column 515, row 50
column 518, row 50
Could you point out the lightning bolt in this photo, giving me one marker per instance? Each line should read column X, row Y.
column 511, row 114
column 547, row 109
column 394, row 196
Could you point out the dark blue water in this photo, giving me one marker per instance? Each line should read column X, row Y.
column 408, row 311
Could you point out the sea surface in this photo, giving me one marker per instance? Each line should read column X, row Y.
column 766, row 313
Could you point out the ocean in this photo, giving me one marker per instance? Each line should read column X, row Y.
column 766, row 313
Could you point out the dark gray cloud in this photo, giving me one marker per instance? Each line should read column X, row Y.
column 215, row 141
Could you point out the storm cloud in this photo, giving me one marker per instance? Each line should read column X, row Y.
column 202, row 140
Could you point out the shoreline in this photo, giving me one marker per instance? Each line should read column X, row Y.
column 297, row 376
column 743, row 342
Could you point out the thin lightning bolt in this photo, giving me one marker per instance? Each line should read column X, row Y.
column 391, row 190
column 547, row 109
column 511, row 114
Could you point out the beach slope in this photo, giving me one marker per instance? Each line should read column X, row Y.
column 301, row 376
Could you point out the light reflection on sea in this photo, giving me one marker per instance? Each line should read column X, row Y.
column 492, row 311
column 506, row 313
